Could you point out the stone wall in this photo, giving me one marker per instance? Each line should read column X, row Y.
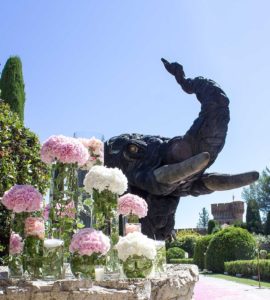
column 178, row 284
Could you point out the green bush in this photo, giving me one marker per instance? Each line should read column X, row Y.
column 268, row 255
column 263, row 254
column 200, row 251
column 231, row 243
column 20, row 162
column 249, row 268
column 186, row 242
column 174, row 252
column 181, row 261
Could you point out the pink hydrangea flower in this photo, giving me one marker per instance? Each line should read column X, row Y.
column 88, row 241
column 22, row 198
column 67, row 211
column 15, row 244
column 34, row 226
column 96, row 152
column 132, row 204
column 64, row 149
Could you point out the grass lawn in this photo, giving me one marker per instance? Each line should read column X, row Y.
column 240, row 280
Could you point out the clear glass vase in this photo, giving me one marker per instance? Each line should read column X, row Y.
column 15, row 266
column 137, row 266
column 160, row 260
column 83, row 266
column 132, row 224
column 53, row 259
column 33, row 257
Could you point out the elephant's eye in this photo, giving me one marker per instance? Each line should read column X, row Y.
column 133, row 149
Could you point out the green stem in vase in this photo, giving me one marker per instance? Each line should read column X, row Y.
column 33, row 256
column 137, row 266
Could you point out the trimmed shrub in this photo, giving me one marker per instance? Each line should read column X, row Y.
column 249, row 268
column 181, row 261
column 268, row 255
column 187, row 242
column 174, row 252
column 200, row 251
column 181, row 233
column 231, row 243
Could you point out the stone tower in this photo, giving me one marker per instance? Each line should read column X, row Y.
column 228, row 212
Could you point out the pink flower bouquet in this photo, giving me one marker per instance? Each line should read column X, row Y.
column 132, row 204
column 64, row 149
column 22, row 198
column 34, row 226
column 67, row 210
column 88, row 241
column 96, row 152
column 15, row 244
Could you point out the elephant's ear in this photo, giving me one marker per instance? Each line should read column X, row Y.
column 223, row 182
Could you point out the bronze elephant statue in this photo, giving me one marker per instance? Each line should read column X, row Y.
column 161, row 169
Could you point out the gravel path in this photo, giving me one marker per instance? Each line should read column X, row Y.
column 209, row 288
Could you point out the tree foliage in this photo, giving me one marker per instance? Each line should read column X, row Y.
column 20, row 161
column 267, row 224
column 260, row 191
column 203, row 218
column 253, row 218
column 212, row 226
column 12, row 86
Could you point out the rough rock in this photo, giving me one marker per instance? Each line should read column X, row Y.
column 177, row 284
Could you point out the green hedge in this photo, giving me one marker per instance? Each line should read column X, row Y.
column 186, row 242
column 249, row 268
column 229, row 244
column 174, row 252
column 181, row 261
column 200, row 250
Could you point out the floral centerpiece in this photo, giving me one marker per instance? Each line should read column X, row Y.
column 22, row 200
column 88, row 247
column 65, row 154
column 137, row 253
column 133, row 208
column 105, row 185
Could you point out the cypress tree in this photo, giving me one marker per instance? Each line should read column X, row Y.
column 267, row 224
column 253, row 218
column 12, row 86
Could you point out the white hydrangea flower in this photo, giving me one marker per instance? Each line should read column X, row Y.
column 136, row 243
column 101, row 178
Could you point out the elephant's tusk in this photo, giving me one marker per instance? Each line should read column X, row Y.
column 223, row 182
column 173, row 173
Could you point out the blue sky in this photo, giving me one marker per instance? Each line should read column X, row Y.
column 94, row 66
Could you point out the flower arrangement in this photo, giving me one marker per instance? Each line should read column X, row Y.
column 137, row 253
column 15, row 244
column 136, row 243
column 64, row 149
column 96, row 152
column 34, row 226
column 132, row 204
column 88, row 241
column 22, row 198
column 102, row 178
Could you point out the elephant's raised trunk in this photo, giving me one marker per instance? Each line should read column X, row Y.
column 208, row 132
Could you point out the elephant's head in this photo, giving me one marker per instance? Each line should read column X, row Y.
column 161, row 169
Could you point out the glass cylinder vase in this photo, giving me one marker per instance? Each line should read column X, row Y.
column 132, row 224
column 15, row 266
column 34, row 231
column 160, row 260
column 53, row 259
